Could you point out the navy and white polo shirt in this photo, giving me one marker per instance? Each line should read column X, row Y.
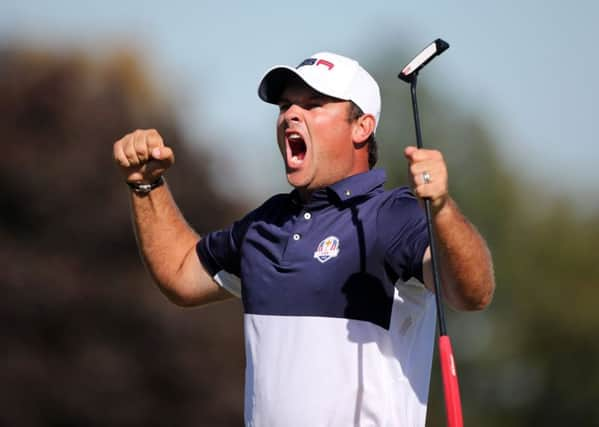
column 339, row 329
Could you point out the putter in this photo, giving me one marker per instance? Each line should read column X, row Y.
column 453, row 405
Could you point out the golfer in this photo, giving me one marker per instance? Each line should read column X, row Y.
column 335, row 277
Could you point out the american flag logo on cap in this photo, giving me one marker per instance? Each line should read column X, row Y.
column 316, row 61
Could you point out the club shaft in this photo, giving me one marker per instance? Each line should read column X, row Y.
column 429, row 216
column 451, row 388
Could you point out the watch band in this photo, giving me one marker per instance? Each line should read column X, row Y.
column 140, row 188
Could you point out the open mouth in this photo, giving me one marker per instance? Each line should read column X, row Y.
column 296, row 149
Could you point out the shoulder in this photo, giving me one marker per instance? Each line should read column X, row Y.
column 398, row 198
column 276, row 201
column 401, row 193
column 399, row 207
column 272, row 206
column 270, row 211
column 233, row 236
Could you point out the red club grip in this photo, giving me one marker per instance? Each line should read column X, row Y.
column 453, row 404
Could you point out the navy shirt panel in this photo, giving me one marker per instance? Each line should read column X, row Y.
column 335, row 256
column 220, row 250
column 405, row 240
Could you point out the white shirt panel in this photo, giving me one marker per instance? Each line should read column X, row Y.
column 320, row 371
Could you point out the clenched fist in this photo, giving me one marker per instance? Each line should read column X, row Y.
column 428, row 175
column 142, row 156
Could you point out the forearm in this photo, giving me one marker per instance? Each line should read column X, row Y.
column 465, row 260
column 165, row 240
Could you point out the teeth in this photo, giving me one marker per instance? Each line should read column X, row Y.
column 294, row 136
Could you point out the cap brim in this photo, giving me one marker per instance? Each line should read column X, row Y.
column 275, row 81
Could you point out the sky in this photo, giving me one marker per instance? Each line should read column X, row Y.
column 528, row 67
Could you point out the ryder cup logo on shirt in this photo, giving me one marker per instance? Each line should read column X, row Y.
column 327, row 249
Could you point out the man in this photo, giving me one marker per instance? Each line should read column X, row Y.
column 335, row 277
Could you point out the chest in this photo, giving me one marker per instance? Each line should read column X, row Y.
column 316, row 263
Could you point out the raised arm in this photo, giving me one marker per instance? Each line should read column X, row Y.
column 466, row 265
column 166, row 241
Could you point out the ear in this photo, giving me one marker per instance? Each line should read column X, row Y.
column 363, row 128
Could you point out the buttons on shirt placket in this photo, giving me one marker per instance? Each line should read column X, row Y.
column 298, row 236
column 296, row 250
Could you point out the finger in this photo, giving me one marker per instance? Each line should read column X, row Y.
column 119, row 154
column 140, row 144
column 160, row 160
column 129, row 147
column 165, row 155
column 418, row 169
column 415, row 155
column 154, row 140
column 155, row 169
column 409, row 151
column 424, row 178
column 433, row 175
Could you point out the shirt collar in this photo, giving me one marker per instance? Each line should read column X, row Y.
column 346, row 189
column 359, row 185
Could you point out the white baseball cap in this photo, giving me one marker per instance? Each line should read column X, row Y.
column 330, row 74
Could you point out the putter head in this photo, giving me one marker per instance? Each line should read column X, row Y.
column 428, row 53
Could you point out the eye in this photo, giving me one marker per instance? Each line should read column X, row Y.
column 284, row 106
column 315, row 103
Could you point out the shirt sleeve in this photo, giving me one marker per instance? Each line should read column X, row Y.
column 401, row 226
column 220, row 250
column 219, row 253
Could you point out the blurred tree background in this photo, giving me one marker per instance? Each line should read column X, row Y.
column 87, row 339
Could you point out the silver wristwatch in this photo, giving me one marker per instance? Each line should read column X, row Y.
column 139, row 188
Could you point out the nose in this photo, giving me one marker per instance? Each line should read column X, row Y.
column 292, row 113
